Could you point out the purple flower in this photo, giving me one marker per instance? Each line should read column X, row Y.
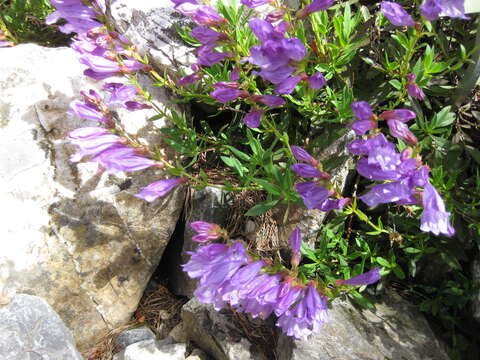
column 276, row 75
column 87, row 111
column 206, row 35
column 432, row 9
column 235, row 74
column 402, row 115
column 401, row 131
column 413, row 89
column 225, row 95
column 134, row 105
column 367, row 278
column 211, row 58
column 362, row 110
column 435, row 218
column 295, row 245
column 262, row 29
column 313, row 194
column 189, row 79
column 308, row 171
column 254, row 3
column 206, row 231
column 203, row 258
column 360, row 127
column 269, row 100
column 396, row 14
column 80, row 18
column 302, row 155
column 121, row 158
column 159, row 188
column 314, row 6
column 201, row 14
column 287, row 85
column 91, row 141
column 386, row 193
column 252, row 119
column 317, row 81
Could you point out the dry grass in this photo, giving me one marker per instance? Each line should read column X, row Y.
column 154, row 303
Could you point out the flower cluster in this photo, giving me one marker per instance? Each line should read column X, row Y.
column 229, row 275
column 106, row 54
column 430, row 9
column 317, row 194
column 403, row 174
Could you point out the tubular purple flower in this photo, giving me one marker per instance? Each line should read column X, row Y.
column 295, row 245
column 201, row 14
column 189, row 79
column 206, row 35
column 360, row 127
column 386, row 193
column 160, row 188
column 206, row 231
column 211, row 58
column 314, row 6
column 225, row 95
column 435, row 218
column 262, row 29
column 91, row 141
column 308, row 171
column 87, row 111
column 235, row 74
column 121, row 158
column 396, row 14
column 268, row 100
column 401, row 131
column 276, row 75
column 432, row 9
column 362, row 110
column 302, row 155
column 317, row 81
column 287, row 85
column 253, row 118
column 134, row 106
column 413, row 89
column 367, row 278
column 402, row 115
column 254, row 3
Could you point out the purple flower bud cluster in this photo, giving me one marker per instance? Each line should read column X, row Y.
column 106, row 54
column 315, row 194
column 403, row 175
column 413, row 89
column 228, row 275
column 430, row 9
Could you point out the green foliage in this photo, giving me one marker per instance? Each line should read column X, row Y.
column 24, row 21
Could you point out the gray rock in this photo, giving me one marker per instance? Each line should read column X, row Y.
column 210, row 205
column 393, row 330
column 30, row 330
column 215, row 332
column 197, row 354
column 75, row 237
column 152, row 350
column 178, row 333
column 151, row 25
column 132, row 336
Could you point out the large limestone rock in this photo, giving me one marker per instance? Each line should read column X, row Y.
column 30, row 329
column 393, row 330
column 152, row 350
column 152, row 26
column 75, row 237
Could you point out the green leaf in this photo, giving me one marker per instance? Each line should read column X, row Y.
column 360, row 299
column 238, row 153
column 268, row 186
column 261, row 208
column 397, row 270
column 383, row 262
column 234, row 163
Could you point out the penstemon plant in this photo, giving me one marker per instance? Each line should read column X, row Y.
column 286, row 80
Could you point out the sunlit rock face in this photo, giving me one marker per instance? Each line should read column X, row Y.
column 74, row 236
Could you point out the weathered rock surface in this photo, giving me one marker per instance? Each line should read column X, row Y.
column 152, row 350
column 77, row 238
column 394, row 330
column 475, row 305
column 30, row 329
column 152, row 26
column 215, row 332
column 210, row 205
column 132, row 336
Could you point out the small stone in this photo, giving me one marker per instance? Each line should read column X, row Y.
column 132, row 336
column 152, row 350
column 197, row 354
column 178, row 333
